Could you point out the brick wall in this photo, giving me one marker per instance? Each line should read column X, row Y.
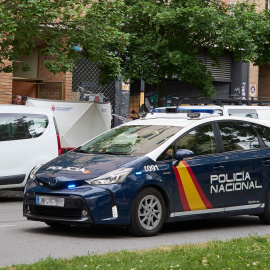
column 53, row 84
column 254, row 77
column 260, row 3
column 6, row 88
column 68, row 86
column 264, row 82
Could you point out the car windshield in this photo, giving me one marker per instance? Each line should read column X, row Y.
column 136, row 139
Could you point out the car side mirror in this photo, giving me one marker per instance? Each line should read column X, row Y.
column 183, row 154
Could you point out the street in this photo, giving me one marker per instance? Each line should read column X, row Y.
column 25, row 241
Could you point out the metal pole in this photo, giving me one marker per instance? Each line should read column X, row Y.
column 142, row 93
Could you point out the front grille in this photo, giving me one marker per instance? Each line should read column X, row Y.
column 69, row 213
column 59, row 185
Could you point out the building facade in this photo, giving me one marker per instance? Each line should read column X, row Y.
column 37, row 83
column 259, row 77
column 232, row 79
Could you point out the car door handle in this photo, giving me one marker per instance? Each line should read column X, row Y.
column 218, row 168
column 266, row 161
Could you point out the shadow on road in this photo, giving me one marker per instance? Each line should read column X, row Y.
column 214, row 223
column 83, row 232
column 180, row 227
column 10, row 196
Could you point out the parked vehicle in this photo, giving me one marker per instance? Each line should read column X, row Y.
column 227, row 107
column 169, row 166
column 28, row 137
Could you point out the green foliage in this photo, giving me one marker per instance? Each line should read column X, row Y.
column 165, row 37
column 243, row 253
column 135, row 39
column 60, row 25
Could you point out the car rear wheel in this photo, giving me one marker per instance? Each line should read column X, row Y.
column 147, row 213
column 265, row 217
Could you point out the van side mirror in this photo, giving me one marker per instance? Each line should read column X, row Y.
column 183, row 154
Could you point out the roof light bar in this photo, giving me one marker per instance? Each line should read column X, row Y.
column 182, row 110
column 210, row 111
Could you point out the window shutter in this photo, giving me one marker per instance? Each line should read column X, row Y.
column 222, row 73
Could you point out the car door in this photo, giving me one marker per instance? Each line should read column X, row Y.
column 246, row 166
column 192, row 182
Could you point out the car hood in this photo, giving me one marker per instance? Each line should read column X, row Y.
column 80, row 166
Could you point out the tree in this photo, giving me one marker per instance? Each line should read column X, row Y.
column 135, row 39
column 60, row 25
column 166, row 35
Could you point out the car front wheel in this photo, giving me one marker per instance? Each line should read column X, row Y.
column 147, row 213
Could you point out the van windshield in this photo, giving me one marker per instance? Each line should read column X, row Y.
column 136, row 139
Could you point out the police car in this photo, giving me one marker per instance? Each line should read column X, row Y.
column 171, row 165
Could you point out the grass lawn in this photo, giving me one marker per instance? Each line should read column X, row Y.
column 243, row 253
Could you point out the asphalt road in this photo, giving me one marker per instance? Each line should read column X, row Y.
column 23, row 241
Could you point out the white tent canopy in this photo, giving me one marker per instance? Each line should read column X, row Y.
column 77, row 121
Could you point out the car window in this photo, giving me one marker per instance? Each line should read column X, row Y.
column 18, row 126
column 201, row 141
column 251, row 113
column 264, row 133
column 238, row 136
column 168, row 154
column 133, row 139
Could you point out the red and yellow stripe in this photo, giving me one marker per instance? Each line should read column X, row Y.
column 191, row 194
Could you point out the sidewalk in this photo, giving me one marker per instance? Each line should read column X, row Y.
column 11, row 194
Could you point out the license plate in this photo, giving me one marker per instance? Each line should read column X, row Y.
column 50, row 201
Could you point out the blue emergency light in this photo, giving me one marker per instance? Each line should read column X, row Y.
column 210, row 111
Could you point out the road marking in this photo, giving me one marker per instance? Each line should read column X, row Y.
column 6, row 226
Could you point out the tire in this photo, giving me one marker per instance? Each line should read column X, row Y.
column 265, row 217
column 147, row 213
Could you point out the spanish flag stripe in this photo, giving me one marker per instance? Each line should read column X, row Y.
column 181, row 190
column 200, row 191
column 193, row 197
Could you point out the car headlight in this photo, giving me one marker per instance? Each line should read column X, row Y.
column 32, row 175
column 113, row 177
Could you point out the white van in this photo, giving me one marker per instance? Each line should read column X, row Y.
column 28, row 137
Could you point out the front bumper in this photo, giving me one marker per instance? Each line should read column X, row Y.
column 74, row 211
column 84, row 205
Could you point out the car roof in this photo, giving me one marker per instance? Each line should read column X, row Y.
column 221, row 107
column 11, row 108
column 182, row 119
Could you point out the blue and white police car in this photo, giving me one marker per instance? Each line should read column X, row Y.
column 169, row 166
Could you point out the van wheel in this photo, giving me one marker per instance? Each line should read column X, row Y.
column 265, row 217
column 147, row 213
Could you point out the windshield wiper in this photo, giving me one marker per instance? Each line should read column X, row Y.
column 79, row 150
column 114, row 153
